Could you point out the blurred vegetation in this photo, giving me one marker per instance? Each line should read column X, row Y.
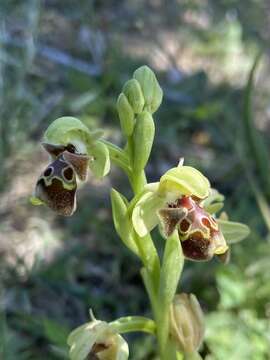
column 65, row 57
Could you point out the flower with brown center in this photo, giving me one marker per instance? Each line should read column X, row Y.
column 57, row 185
column 198, row 230
column 73, row 149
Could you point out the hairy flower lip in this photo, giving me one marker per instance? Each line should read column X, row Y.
column 198, row 231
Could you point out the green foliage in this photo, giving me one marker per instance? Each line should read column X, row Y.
column 200, row 119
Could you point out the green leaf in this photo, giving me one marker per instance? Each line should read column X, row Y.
column 55, row 332
column 152, row 92
column 143, row 136
column 172, row 265
column 122, row 223
column 233, row 231
column 186, row 180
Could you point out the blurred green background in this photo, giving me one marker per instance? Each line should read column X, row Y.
column 72, row 58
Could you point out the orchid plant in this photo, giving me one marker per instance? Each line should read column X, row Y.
column 182, row 204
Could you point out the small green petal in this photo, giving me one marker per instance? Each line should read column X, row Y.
column 144, row 216
column 36, row 201
column 233, row 231
column 214, row 202
column 185, row 180
column 100, row 164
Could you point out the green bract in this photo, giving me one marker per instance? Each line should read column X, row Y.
column 179, row 181
column 69, row 130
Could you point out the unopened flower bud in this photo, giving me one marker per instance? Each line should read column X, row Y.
column 133, row 92
column 186, row 323
column 152, row 92
column 143, row 136
column 126, row 114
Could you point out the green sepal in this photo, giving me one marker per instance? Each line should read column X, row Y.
column 145, row 213
column 100, row 162
column 152, row 92
column 214, row 208
column 66, row 130
column 185, row 180
column 36, row 201
column 133, row 92
column 233, row 231
column 122, row 223
column 126, row 114
column 143, row 138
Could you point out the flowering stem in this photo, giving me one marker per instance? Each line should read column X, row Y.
column 134, row 323
column 192, row 356
column 118, row 156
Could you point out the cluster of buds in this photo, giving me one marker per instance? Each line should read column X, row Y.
column 140, row 98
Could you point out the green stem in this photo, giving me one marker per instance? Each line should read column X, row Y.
column 118, row 156
column 134, row 323
column 192, row 356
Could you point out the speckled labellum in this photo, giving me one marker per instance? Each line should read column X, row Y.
column 57, row 185
column 198, row 230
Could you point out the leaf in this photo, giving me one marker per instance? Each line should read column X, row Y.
column 171, row 269
column 56, row 333
column 173, row 261
column 233, row 231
